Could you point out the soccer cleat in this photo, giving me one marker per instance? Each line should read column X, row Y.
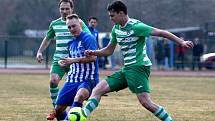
column 51, row 115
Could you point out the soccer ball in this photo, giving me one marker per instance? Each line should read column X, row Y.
column 76, row 114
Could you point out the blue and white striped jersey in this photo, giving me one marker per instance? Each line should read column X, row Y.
column 82, row 71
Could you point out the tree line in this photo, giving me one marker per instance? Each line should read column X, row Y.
column 18, row 15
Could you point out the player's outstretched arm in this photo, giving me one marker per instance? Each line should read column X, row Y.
column 108, row 50
column 43, row 46
column 67, row 61
column 170, row 36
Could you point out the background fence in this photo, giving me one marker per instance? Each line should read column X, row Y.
column 20, row 52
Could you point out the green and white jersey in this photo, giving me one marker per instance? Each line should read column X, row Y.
column 131, row 39
column 59, row 31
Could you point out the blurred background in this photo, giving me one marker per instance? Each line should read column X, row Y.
column 25, row 22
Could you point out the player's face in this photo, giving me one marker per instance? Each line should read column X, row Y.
column 65, row 9
column 115, row 17
column 74, row 27
column 93, row 23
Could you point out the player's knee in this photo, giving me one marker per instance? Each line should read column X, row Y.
column 54, row 80
column 55, row 77
column 80, row 98
column 101, row 88
column 53, row 83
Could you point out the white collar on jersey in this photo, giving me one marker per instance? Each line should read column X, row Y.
column 126, row 23
column 62, row 19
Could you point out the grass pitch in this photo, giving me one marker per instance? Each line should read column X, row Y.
column 25, row 97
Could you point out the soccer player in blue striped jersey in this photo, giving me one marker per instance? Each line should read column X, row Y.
column 130, row 34
column 59, row 32
column 83, row 74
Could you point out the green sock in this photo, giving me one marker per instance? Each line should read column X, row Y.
column 54, row 94
column 162, row 114
column 90, row 106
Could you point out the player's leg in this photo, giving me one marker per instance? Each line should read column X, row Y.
column 53, row 87
column 137, row 78
column 83, row 92
column 64, row 99
column 56, row 74
column 114, row 82
column 101, row 88
column 59, row 112
column 158, row 111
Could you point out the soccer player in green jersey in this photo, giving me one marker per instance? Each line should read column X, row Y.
column 58, row 30
column 130, row 34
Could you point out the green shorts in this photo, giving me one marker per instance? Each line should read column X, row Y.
column 56, row 69
column 134, row 77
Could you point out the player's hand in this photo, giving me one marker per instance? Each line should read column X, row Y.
column 187, row 44
column 64, row 62
column 39, row 57
column 90, row 53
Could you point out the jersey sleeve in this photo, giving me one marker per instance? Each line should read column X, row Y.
column 142, row 29
column 50, row 33
column 90, row 43
column 84, row 27
column 113, row 39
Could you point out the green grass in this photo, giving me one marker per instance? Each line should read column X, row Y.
column 25, row 97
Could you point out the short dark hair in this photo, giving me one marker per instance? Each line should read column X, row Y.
column 117, row 6
column 72, row 16
column 67, row 1
column 92, row 17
